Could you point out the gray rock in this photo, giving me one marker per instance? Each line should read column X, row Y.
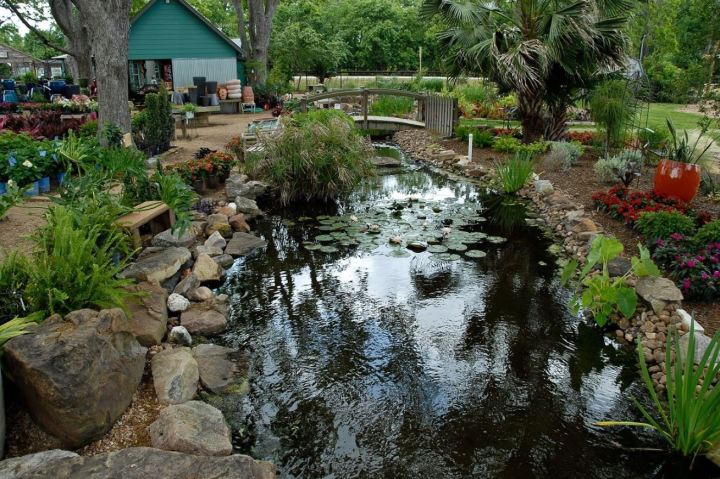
column 175, row 375
column 77, row 375
column 544, row 187
column 234, row 184
column 224, row 260
column 17, row 467
column 145, row 462
column 386, row 161
column 618, row 266
column 206, row 269
column 216, row 219
column 220, row 368
column 168, row 239
column 177, row 303
column 194, row 427
column 417, row 246
column 243, row 243
column 189, row 283
column 180, row 335
column 658, row 292
column 702, row 343
column 251, row 190
column 216, row 240
column 157, row 267
column 204, row 318
column 148, row 312
column 208, row 250
column 248, row 208
column 200, row 294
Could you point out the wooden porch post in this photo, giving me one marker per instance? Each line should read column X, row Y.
column 365, row 108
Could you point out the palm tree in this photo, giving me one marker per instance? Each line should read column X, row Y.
column 543, row 50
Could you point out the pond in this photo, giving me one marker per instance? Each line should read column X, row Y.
column 370, row 360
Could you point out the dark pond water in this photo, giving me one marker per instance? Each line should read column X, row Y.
column 372, row 361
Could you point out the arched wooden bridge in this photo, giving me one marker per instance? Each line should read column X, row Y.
column 434, row 112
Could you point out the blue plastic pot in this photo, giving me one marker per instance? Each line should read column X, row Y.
column 44, row 184
column 34, row 189
column 60, row 177
column 3, row 187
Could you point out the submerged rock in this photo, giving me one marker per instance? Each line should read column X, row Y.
column 386, row 161
column 144, row 462
column 77, row 375
column 194, row 427
column 243, row 243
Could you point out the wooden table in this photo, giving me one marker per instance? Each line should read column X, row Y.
column 156, row 215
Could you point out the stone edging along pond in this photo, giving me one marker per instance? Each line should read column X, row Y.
column 573, row 231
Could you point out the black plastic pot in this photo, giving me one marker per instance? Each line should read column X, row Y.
column 211, row 87
column 192, row 94
column 204, row 101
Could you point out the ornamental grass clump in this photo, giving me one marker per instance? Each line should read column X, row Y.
column 312, row 160
column 515, row 172
column 688, row 419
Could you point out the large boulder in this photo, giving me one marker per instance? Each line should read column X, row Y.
column 205, row 318
column 175, row 375
column 206, row 269
column 243, row 243
column 238, row 223
column 147, row 312
column 220, row 368
column 234, row 184
column 157, row 267
column 194, row 427
column 168, row 239
column 77, row 375
column 144, row 462
column 658, row 292
column 251, row 190
column 248, row 208
column 17, row 467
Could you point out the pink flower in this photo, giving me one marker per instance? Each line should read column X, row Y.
column 686, row 284
column 716, row 274
column 691, row 263
column 704, row 276
column 676, row 236
column 661, row 243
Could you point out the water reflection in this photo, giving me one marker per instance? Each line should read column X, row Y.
column 366, row 365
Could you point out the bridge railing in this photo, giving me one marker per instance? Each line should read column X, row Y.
column 440, row 114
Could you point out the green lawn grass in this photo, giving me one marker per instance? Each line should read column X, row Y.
column 656, row 118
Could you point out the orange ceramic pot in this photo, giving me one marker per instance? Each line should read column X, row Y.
column 679, row 180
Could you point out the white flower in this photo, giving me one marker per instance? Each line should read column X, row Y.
column 27, row 164
column 11, row 184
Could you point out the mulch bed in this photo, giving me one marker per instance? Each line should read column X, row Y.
column 581, row 183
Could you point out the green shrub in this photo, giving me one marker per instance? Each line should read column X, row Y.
column 563, row 154
column 12, row 197
column 387, row 105
column 74, row 268
column 709, row 233
column 535, row 148
column 312, row 161
column 88, row 129
column 174, row 192
column 657, row 225
column 506, row 144
column 515, row 172
column 655, row 137
column 13, row 279
column 611, row 107
column 483, row 139
column 154, row 127
column 323, row 116
column 624, row 167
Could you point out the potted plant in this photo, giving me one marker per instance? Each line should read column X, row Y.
column 678, row 175
column 189, row 109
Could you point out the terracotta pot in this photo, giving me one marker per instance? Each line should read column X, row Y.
column 679, row 180
column 223, row 93
column 248, row 96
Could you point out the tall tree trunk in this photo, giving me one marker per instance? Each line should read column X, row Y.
column 109, row 25
column 556, row 122
column 255, row 35
column 530, row 105
column 77, row 36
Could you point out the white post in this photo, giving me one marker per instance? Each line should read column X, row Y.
column 470, row 141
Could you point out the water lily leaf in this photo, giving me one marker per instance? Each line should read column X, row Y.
column 324, row 238
column 313, row 247
column 457, row 247
column 475, row 253
column 437, row 248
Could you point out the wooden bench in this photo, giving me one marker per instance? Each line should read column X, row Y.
column 156, row 215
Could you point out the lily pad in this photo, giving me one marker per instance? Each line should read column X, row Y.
column 437, row 248
column 313, row 247
column 324, row 238
column 475, row 253
column 447, row 257
column 398, row 253
column 496, row 239
column 459, row 247
column 328, row 249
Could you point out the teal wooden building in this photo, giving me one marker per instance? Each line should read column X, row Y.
column 171, row 42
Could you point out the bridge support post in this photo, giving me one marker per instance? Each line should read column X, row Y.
column 365, row 108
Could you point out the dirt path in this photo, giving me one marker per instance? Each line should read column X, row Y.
column 20, row 222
